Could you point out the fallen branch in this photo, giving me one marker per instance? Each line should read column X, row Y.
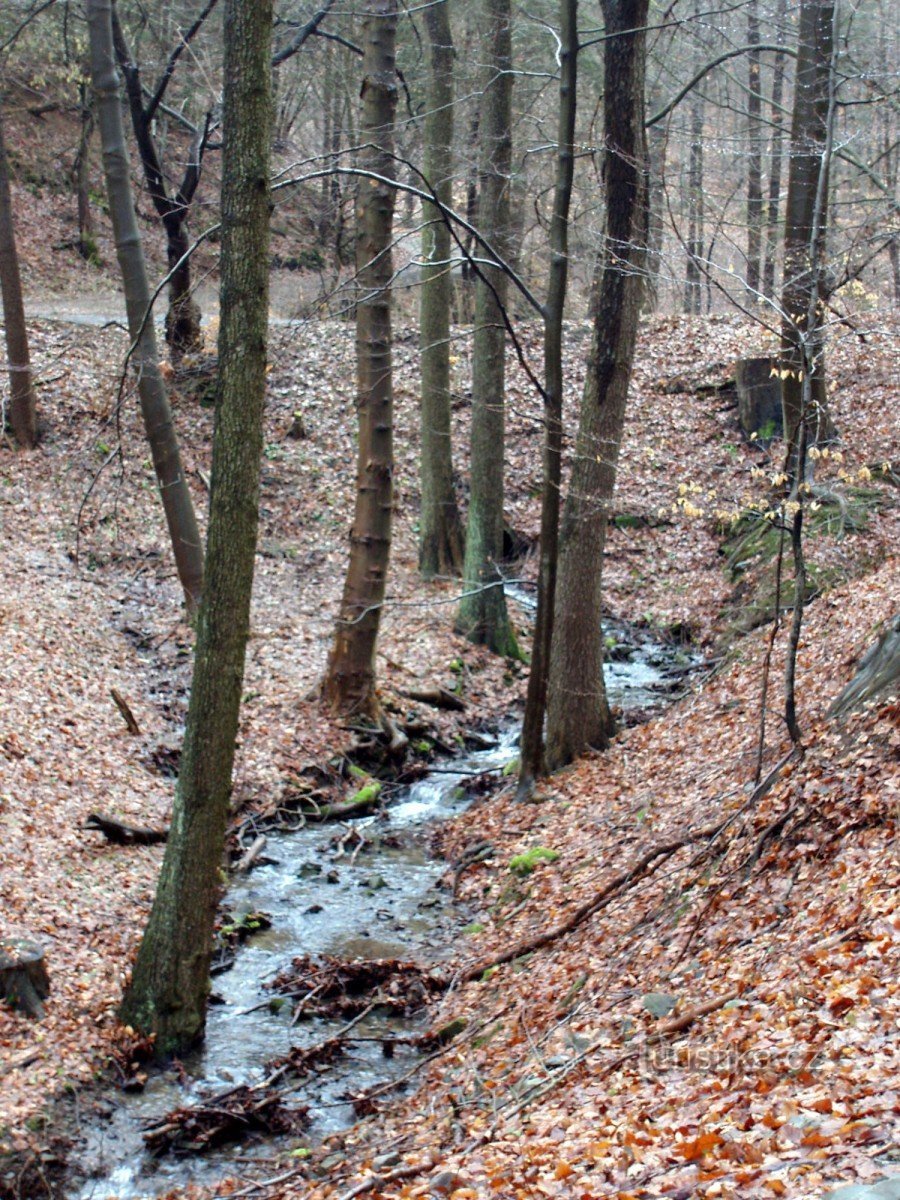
column 127, row 715
column 437, row 697
column 249, row 857
column 121, row 834
column 378, row 1182
column 653, row 858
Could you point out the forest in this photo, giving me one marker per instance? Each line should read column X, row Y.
column 450, row 605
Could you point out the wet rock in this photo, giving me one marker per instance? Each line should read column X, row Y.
column 315, row 908
column 332, row 877
column 375, row 883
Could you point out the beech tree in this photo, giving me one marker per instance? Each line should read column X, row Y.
column 22, row 404
column 578, row 715
column 170, row 983
column 483, row 615
column 806, row 223
column 176, row 497
column 440, row 527
column 349, row 683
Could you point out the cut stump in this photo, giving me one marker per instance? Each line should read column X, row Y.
column 24, row 981
column 759, row 397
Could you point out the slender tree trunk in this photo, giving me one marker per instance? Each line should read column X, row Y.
column 81, row 176
column 656, row 149
column 776, row 154
column 693, row 283
column 806, row 221
column 440, row 528
column 157, row 415
column 532, row 741
column 349, row 684
column 482, row 615
column 754, row 157
column 170, row 982
column 578, row 714
column 22, row 404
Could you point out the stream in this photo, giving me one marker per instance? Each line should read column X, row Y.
column 384, row 902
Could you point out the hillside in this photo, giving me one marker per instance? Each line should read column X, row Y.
column 674, row 973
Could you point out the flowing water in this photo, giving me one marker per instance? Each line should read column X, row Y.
column 383, row 903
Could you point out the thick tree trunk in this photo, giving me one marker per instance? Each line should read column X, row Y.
column 482, row 616
column 157, row 415
column 754, row 157
column 806, row 220
column 170, row 983
column 532, row 741
column 440, row 528
column 349, row 684
column 22, row 405
column 578, row 714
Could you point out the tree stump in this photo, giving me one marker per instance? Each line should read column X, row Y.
column 759, row 397
column 24, row 981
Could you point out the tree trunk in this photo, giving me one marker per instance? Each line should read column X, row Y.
column 754, row 157
column 775, row 165
column 578, row 714
column 157, row 415
column 183, row 332
column 482, row 616
column 440, row 528
column 532, row 741
column 170, row 982
column 81, row 177
column 22, row 405
column 806, row 219
column 349, row 684
column 693, row 282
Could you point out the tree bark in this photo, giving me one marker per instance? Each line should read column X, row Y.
column 349, row 684
column 532, row 741
column 170, row 982
column 81, row 177
column 578, row 714
column 22, row 404
column 806, row 222
column 482, row 616
column 157, row 415
column 754, row 157
column 693, row 279
column 775, row 165
column 440, row 527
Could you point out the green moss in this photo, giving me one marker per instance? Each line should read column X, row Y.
column 524, row 864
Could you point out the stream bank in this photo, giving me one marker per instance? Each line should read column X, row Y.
column 378, row 896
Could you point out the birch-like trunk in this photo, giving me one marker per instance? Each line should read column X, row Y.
column 157, row 415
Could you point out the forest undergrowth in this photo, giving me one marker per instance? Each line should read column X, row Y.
column 698, row 992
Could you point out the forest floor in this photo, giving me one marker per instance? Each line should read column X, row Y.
column 768, row 953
